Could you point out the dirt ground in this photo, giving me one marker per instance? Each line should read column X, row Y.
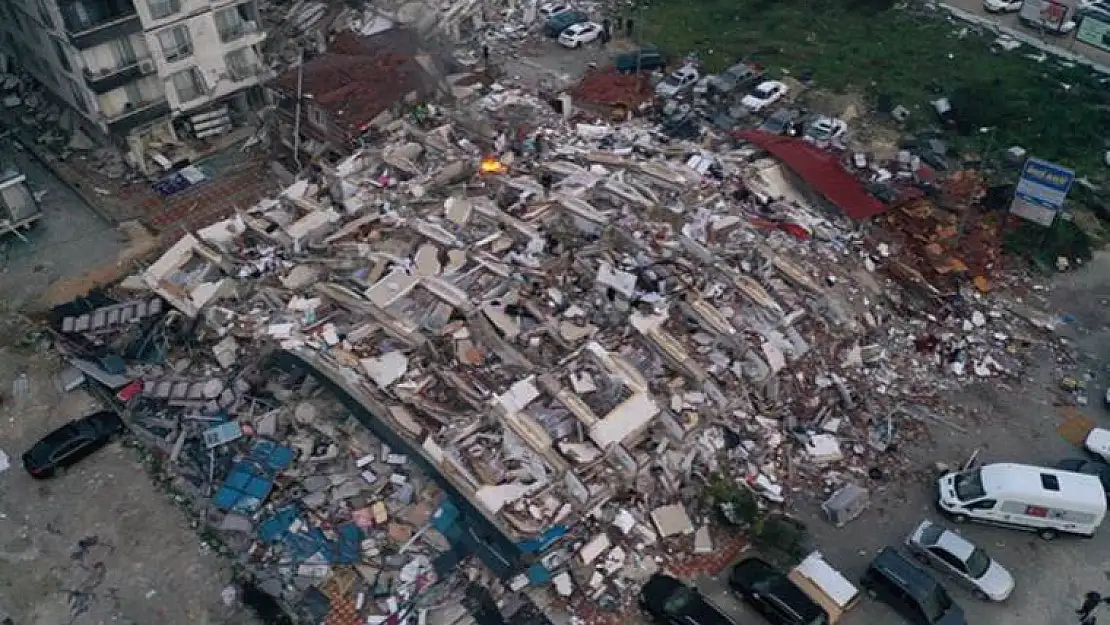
column 100, row 544
column 1017, row 422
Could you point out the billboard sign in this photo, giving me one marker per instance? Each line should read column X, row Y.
column 1094, row 32
column 1041, row 191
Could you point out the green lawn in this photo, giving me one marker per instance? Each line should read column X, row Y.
column 912, row 58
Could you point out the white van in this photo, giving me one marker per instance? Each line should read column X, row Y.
column 1035, row 499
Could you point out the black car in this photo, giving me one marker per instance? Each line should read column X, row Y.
column 70, row 443
column 774, row 596
column 670, row 602
column 910, row 590
column 1097, row 468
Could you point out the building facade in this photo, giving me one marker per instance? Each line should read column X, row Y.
column 138, row 70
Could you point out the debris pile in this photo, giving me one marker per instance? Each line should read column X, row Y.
column 546, row 351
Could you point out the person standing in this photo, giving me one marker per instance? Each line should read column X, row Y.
column 1086, row 611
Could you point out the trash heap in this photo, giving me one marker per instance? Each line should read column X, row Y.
column 559, row 335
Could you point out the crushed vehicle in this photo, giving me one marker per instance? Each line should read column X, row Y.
column 764, row 95
column 947, row 551
column 683, row 78
column 645, row 59
column 781, row 122
column 825, row 129
column 739, row 76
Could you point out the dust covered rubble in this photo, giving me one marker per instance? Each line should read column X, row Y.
column 572, row 330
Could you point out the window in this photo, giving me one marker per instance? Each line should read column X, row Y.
column 63, row 56
column 1050, row 482
column 983, row 504
column 124, row 52
column 134, row 94
column 189, row 85
column 233, row 23
column 176, row 43
column 163, row 8
column 969, row 485
column 948, row 558
column 317, row 116
column 240, row 63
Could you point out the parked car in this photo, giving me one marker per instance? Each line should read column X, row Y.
column 1047, row 501
column 1002, row 6
column 647, row 59
column 70, row 443
column 774, row 596
column 562, row 21
column 780, row 122
column 951, row 553
column 764, row 95
column 577, row 34
column 682, row 79
column 670, row 602
column 1097, row 468
column 739, row 76
column 911, row 591
column 549, row 10
column 825, row 129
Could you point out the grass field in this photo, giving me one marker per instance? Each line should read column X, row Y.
column 1054, row 112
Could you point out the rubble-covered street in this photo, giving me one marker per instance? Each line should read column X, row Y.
column 489, row 353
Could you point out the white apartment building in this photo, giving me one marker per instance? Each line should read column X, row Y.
column 139, row 70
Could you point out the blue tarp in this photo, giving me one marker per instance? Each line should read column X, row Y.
column 252, row 478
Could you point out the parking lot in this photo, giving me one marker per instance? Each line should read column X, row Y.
column 1016, row 422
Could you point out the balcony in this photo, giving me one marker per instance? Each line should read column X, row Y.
column 93, row 22
column 138, row 115
column 110, row 79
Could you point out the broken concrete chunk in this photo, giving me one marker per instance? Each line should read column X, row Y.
column 594, row 548
column 385, row 369
column 703, row 542
column 672, row 520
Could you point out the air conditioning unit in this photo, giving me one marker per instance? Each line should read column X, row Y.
column 146, row 66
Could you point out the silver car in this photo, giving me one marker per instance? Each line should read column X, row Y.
column 951, row 553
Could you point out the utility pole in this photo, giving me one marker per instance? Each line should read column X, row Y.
column 297, row 113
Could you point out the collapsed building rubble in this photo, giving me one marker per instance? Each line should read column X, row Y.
column 552, row 347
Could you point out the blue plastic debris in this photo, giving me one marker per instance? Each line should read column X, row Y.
column 304, row 544
column 251, row 479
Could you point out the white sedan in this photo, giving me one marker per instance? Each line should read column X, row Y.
column 549, row 10
column 1002, row 6
column 951, row 553
column 766, row 94
column 824, row 129
column 577, row 34
column 682, row 78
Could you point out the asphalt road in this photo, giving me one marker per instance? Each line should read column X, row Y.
column 67, row 241
column 1010, row 20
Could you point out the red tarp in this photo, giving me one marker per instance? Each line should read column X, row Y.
column 821, row 170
